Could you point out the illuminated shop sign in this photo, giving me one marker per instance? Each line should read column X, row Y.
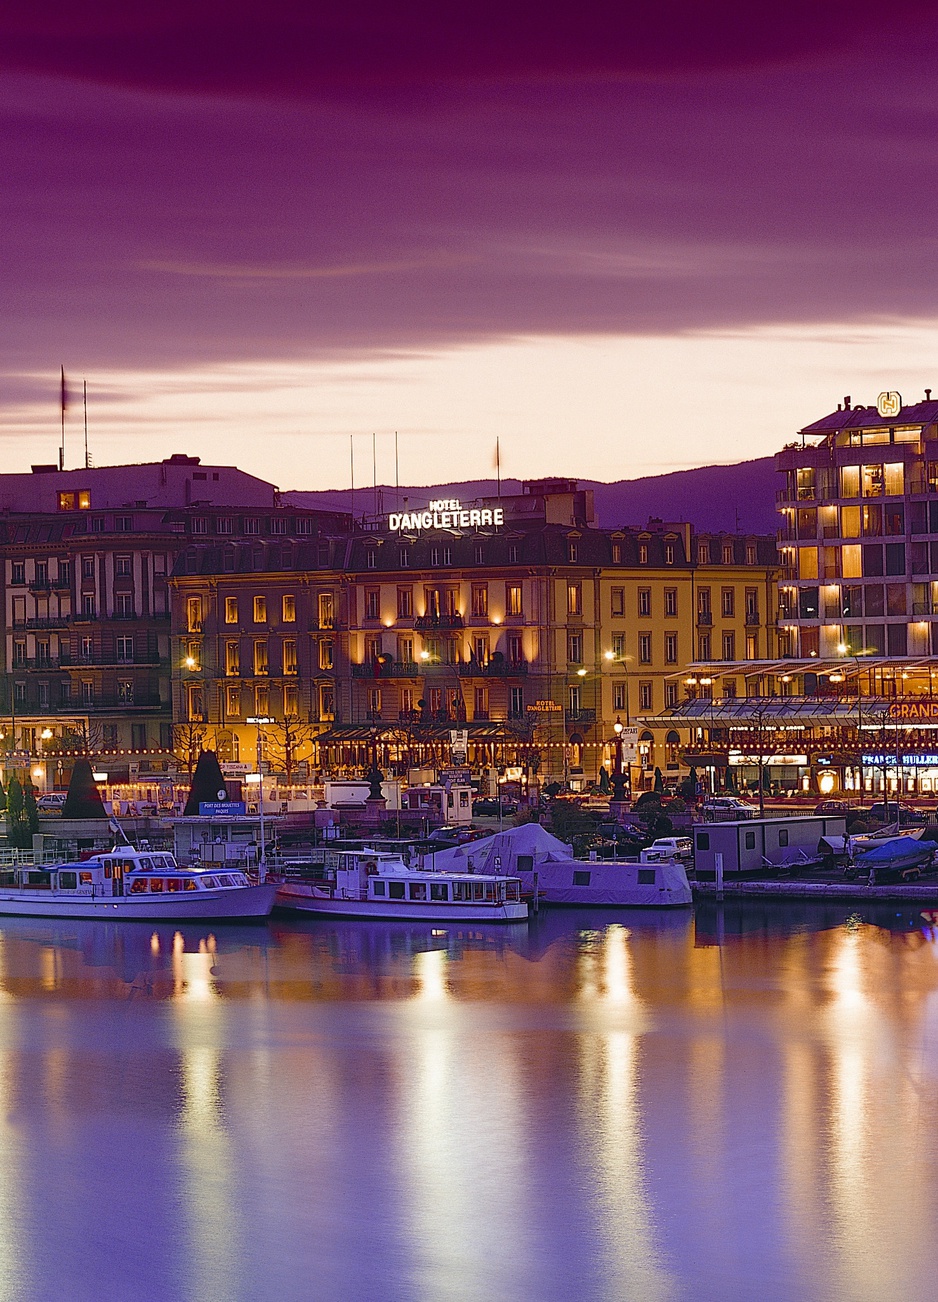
column 914, row 710
column 889, row 404
column 906, row 761
column 446, row 513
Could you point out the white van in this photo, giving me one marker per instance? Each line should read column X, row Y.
column 676, row 847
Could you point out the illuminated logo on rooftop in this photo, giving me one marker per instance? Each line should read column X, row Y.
column 446, row 513
column 889, row 404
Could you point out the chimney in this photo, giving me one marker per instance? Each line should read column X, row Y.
column 847, row 403
column 928, row 395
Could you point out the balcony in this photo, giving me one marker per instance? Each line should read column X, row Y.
column 752, row 619
column 581, row 716
column 493, row 669
column 56, row 621
column 704, row 618
column 389, row 669
column 75, row 706
column 49, row 585
column 438, row 621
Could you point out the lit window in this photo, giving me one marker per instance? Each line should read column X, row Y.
column 260, row 610
column 288, row 610
column 231, row 610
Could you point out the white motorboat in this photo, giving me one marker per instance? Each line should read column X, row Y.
column 547, row 868
column 375, row 884
column 866, row 840
column 127, row 884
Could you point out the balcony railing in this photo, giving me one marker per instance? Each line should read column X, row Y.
column 438, row 621
column 581, row 716
column 391, row 669
column 493, row 669
column 705, row 617
column 923, row 608
column 752, row 619
column 75, row 705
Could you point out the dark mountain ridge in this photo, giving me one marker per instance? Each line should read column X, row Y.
column 713, row 498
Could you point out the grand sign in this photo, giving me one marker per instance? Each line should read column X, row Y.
column 914, row 711
column 913, row 761
column 446, row 513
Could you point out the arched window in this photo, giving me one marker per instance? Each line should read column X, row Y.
column 646, row 750
column 672, row 749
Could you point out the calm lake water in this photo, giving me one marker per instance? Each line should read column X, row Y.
column 600, row 1105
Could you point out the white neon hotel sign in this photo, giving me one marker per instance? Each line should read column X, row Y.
column 445, row 513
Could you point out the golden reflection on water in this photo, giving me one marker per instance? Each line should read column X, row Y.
column 610, row 1119
column 12, row 1149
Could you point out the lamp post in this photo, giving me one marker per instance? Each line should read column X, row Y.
column 259, row 720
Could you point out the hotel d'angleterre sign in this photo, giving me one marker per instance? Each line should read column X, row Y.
column 446, row 513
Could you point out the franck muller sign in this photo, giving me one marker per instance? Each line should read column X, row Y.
column 445, row 513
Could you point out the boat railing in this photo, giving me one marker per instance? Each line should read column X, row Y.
column 14, row 858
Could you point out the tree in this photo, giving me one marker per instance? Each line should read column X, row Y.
column 603, row 782
column 659, row 781
column 287, row 743
column 188, row 739
column 84, row 798
column 30, row 811
column 3, row 799
column 207, row 783
column 18, row 833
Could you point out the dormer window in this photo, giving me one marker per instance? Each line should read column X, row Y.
column 643, row 553
column 571, row 552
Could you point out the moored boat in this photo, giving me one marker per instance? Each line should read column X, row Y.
column 374, row 884
column 546, row 866
column 127, row 883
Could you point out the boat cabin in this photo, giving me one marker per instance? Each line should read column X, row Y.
column 123, row 871
column 383, row 877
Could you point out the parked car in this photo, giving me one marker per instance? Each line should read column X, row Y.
column 488, row 807
column 53, row 802
column 728, row 808
column 678, row 847
column 835, row 807
column 894, row 812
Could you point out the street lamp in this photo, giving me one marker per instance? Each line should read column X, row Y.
column 843, row 648
column 259, row 720
column 619, row 777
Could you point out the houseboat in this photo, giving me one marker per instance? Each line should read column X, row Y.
column 376, row 884
column 548, row 871
column 128, row 884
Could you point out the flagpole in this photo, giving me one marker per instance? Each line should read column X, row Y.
column 84, row 394
column 498, row 465
column 64, row 401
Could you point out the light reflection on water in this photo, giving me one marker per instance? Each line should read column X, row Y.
column 593, row 1105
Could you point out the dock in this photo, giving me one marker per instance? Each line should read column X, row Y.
column 904, row 892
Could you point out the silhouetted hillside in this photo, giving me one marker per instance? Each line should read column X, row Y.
column 710, row 497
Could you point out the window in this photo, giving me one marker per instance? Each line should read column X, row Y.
column 223, row 524
column 405, row 650
column 123, row 605
column 643, row 553
column 447, row 555
column 194, row 614
column 18, row 572
column 288, row 609
column 252, row 524
column 480, row 703
column 42, row 573
column 571, row 553
column 513, row 599
column 512, row 553
column 703, row 553
column 260, row 656
column 575, row 648
column 125, row 691
column 516, row 702
column 618, row 646
column 644, row 696
column 232, row 658
column 703, row 646
column 669, row 553
column 644, row 648
column 373, row 603
column 646, row 876
column 405, row 603
column 783, row 836
column 670, row 648
column 752, row 646
column 98, row 524
column 88, row 605
column 728, row 603
column 123, row 566
column 670, row 695
column 480, row 600
column 231, row 609
column 44, row 652
column 729, row 646
column 670, row 601
column 80, row 501
column 289, row 657
column 618, row 601
column 407, row 700
column 261, row 699
column 617, row 553
column 125, row 650
column 644, row 601
column 574, row 599
column 87, row 567
column 750, row 553
column 619, row 701
column 574, row 696
column 278, row 524
column 65, row 572
column 19, row 654
column 515, row 649
column 434, row 555
column 582, row 877
column 260, row 610
column 374, row 700
column 199, row 524
column 326, row 610
column 404, row 558
column 326, row 654
column 729, row 688
column 750, row 840
column 727, row 553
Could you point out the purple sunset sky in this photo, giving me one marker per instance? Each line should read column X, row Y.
column 194, row 187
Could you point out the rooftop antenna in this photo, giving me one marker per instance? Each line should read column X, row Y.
column 498, row 466
column 397, row 476
column 84, row 395
column 351, row 459
column 63, row 404
column 374, row 466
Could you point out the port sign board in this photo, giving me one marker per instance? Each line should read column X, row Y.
column 222, row 809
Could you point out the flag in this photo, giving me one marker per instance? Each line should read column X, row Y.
column 64, row 393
